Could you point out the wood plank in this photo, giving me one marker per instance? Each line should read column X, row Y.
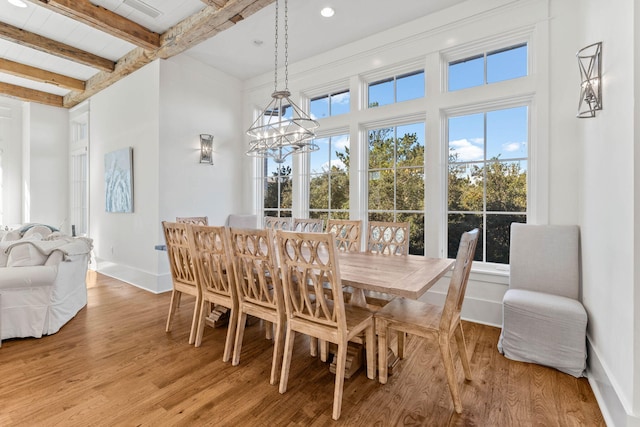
column 216, row 3
column 30, row 95
column 184, row 35
column 114, row 363
column 40, row 75
column 52, row 47
column 104, row 20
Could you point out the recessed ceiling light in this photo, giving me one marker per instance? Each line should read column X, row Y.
column 17, row 3
column 327, row 12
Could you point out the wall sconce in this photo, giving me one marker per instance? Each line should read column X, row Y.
column 590, row 64
column 206, row 148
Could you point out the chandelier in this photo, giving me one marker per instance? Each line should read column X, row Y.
column 282, row 128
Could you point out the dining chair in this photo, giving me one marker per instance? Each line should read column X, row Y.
column 183, row 271
column 418, row 318
column 278, row 223
column 258, row 288
column 241, row 221
column 543, row 320
column 198, row 220
column 309, row 265
column 348, row 233
column 211, row 254
column 308, row 225
column 388, row 238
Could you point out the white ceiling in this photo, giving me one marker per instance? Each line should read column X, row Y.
column 234, row 51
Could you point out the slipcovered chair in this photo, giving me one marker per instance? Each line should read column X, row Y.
column 543, row 320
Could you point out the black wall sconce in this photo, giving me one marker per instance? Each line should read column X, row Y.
column 206, row 148
column 590, row 64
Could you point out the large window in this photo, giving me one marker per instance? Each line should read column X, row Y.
column 277, row 188
column 396, row 178
column 329, row 178
column 331, row 104
column 396, row 89
column 487, row 185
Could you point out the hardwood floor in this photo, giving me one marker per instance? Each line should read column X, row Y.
column 113, row 365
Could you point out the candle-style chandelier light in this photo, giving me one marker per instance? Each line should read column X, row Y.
column 282, row 128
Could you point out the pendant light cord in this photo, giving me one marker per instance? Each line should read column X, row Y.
column 286, row 45
column 275, row 80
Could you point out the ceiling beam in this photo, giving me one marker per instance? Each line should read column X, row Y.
column 30, row 95
column 216, row 3
column 52, row 47
column 40, row 75
column 104, row 20
column 179, row 38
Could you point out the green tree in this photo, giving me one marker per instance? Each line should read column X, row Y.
column 278, row 190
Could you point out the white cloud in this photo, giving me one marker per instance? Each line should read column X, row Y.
column 468, row 149
column 340, row 142
column 342, row 98
column 326, row 166
column 510, row 147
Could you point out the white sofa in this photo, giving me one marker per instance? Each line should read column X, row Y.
column 42, row 281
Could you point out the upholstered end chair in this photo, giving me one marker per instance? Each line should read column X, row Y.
column 543, row 320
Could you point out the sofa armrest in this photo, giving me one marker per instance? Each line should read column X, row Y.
column 22, row 277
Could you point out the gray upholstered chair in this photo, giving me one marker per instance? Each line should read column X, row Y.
column 543, row 320
column 242, row 221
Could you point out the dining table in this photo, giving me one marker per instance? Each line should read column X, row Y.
column 408, row 276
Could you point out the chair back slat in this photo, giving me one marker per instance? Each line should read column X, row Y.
column 388, row 238
column 308, row 225
column 257, row 276
column 210, row 251
column 309, row 270
column 347, row 234
column 459, row 279
column 179, row 253
column 197, row 220
column 278, row 223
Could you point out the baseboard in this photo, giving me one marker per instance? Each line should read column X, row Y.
column 144, row 280
column 613, row 409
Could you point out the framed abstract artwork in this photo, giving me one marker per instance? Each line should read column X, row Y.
column 118, row 180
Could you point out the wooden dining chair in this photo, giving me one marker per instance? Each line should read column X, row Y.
column 309, row 265
column 418, row 318
column 278, row 223
column 197, row 220
column 308, row 225
column 258, row 288
column 183, row 271
column 388, row 238
column 348, row 234
column 211, row 254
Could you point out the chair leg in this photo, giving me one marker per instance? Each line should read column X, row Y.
column 462, row 351
column 200, row 325
column 232, row 327
column 337, row 392
column 382, row 329
column 278, row 344
column 402, row 337
column 370, row 343
column 324, row 350
column 268, row 330
column 175, row 295
column 194, row 322
column 447, row 360
column 237, row 347
column 286, row 359
column 313, row 346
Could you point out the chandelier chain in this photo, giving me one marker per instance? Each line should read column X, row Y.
column 286, row 45
column 275, row 79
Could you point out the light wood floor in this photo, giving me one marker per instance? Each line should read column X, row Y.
column 113, row 364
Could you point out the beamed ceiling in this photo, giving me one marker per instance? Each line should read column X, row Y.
column 61, row 52
column 140, row 46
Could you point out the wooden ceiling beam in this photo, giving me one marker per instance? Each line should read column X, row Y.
column 104, row 20
column 40, row 75
column 52, row 47
column 216, row 3
column 179, row 38
column 30, row 95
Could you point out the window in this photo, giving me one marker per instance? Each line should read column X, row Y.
column 277, row 188
column 332, row 104
column 79, row 171
column 487, row 185
column 490, row 67
column 396, row 89
column 396, row 178
column 329, row 178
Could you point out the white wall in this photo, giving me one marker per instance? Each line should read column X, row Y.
column 11, row 150
column 49, row 166
column 127, row 115
column 607, row 205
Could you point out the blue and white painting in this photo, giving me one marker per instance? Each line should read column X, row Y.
column 118, row 180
